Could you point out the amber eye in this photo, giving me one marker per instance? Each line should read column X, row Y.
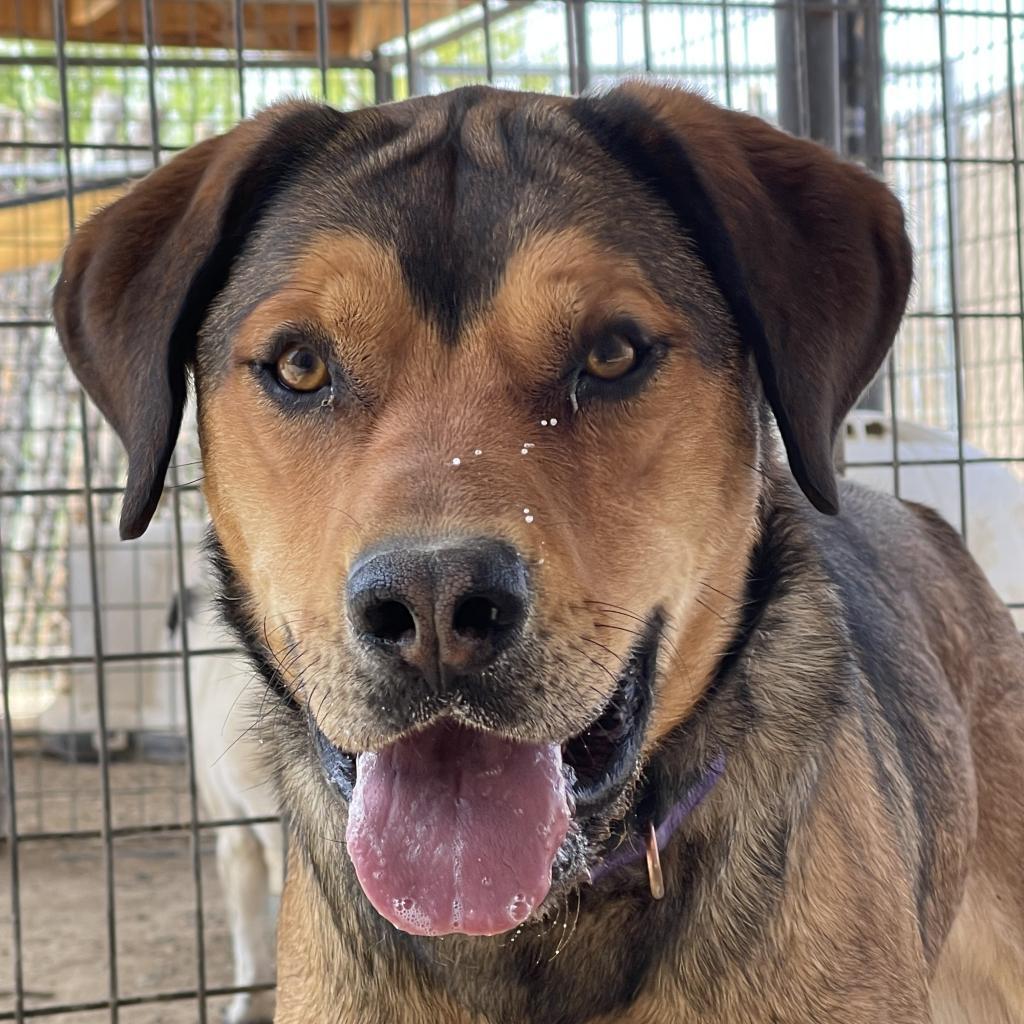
column 301, row 369
column 612, row 358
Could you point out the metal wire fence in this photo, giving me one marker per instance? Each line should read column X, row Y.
column 111, row 906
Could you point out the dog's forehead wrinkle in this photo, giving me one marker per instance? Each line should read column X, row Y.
column 458, row 207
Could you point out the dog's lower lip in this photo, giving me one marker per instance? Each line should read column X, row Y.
column 601, row 757
column 339, row 766
column 604, row 755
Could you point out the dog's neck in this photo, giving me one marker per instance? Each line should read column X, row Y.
column 649, row 842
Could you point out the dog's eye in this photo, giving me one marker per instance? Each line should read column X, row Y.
column 620, row 361
column 611, row 358
column 301, row 369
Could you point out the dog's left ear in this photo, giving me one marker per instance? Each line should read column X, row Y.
column 809, row 252
column 139, row 277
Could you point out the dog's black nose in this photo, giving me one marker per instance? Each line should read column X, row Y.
column 445, row 607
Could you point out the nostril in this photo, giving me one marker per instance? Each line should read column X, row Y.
column 476, row 618
column 390, row 622
column 447, row 607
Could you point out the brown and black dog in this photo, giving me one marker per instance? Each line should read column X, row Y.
column 485, row 385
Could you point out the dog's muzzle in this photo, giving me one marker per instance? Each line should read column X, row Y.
column 452, row 828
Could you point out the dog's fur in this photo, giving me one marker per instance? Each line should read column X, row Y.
column 233, row 782
column 861, row 858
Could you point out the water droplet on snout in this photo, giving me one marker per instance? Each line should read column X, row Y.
column 456, row 461
column 529, row 519
column 478, row 451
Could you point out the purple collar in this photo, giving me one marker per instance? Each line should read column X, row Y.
column 633, row 848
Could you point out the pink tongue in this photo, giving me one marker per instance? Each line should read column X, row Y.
column 454, row 830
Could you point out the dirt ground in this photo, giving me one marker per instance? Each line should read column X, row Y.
column 63, row 895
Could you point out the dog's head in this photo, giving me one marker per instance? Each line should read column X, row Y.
column 481, row 383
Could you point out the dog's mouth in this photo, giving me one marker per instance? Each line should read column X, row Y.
column 457, row 829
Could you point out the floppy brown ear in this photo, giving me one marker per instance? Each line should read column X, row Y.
column 138, row 278
column 809, row 252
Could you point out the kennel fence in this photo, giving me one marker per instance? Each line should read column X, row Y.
column 110, row 908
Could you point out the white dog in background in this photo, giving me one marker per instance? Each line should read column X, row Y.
column 233, row 783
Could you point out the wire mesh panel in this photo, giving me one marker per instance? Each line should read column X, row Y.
column 112, row 908
column 950, row 147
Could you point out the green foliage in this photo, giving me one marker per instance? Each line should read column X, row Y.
column 110, row 105
column 509, row 53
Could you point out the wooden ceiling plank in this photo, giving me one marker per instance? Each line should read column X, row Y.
column 81, row 13
column 272, row 26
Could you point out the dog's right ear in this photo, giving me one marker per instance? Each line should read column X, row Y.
column 138, row 278
column 809, row 252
